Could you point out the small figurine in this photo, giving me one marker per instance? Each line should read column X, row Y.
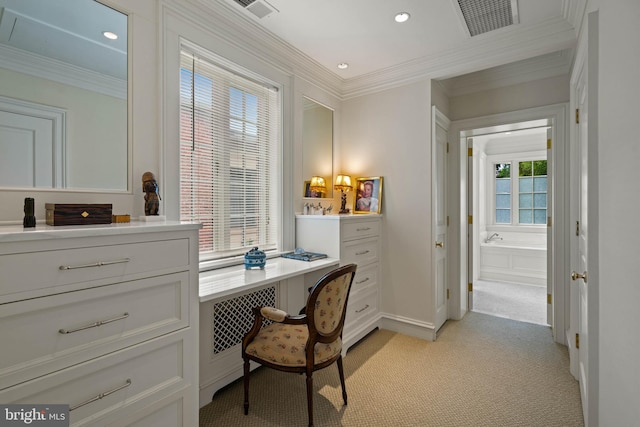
column 151, row 197
column 29, row 217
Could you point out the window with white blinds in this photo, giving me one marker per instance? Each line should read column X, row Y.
column 230, row 138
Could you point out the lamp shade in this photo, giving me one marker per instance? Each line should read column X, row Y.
column 317, row 184
column 343, row 183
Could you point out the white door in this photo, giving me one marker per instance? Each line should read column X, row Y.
column 26, row 144
column 440, row 126
column 579, row 275
column 550, row 251
column 470, row 231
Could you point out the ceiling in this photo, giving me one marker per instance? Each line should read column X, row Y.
column 435, row 39
column 68, row 31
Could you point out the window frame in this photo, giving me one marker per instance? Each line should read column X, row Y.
column 211, row 260
column 514, row 159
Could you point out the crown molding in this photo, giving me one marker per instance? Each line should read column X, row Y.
column 488, row 50
column 221, row 19
column 40, row 66
column 485, row 52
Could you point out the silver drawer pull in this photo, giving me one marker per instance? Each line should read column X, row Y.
column 97, row 264
column 93, row 325
column 362, row 309
column 101, row 395
column 363, row 252
column 366, row 279
column 363, row 229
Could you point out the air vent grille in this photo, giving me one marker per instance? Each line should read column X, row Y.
column 244, row 3
column 488, row 15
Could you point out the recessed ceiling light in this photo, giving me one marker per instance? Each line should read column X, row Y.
column 402, row 17
column 110, row 35
column 343, row 65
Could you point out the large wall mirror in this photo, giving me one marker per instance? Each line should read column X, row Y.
column 317, row 144
column 63, row 96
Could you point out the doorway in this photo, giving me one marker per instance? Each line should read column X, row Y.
column 509, row 186
column 555, row 118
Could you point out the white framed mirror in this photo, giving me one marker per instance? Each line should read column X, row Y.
column 317, row 146
column 64, row 96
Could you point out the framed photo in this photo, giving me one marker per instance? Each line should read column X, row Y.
column 368, row 195
column 309, row 193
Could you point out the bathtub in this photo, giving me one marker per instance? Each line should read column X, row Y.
column 517, row 258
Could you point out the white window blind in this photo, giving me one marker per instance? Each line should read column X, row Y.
column 230, row 133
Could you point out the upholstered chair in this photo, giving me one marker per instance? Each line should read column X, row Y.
column 302, row 343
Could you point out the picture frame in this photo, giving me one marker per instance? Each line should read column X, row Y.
column 368, row 195
column 312, row 194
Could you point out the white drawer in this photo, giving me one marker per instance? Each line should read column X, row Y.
column 366, row 278
column 40, row 270
column 136, row 377
column 359, row 229
column 360, row 251
column 360, row 309
column 41, row 335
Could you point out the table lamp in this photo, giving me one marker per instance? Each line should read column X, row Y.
column 317, row 184
column 343, row 183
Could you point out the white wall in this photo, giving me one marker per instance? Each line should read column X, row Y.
column 388, row 134
column 619, row 204
column 538, row 93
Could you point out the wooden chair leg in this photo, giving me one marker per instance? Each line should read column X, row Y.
column 310, row 397
column 246, row 386
column 341, row 372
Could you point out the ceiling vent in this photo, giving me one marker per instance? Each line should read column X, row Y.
column 259, row 8
column 487, row 15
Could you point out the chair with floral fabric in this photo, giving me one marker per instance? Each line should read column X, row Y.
column 302, row 343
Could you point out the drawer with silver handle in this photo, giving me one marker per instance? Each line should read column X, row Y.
column 366, row 278
column 361, row 308
column 34, row 271
column 360, row 251
column 106, row 388
column 359, row 229
column 41, row 335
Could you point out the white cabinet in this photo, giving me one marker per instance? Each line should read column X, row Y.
column 352, row 239
column 102, row 318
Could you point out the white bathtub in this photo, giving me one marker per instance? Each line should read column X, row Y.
column 517, row 258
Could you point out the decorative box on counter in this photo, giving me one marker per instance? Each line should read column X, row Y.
column 78, row 214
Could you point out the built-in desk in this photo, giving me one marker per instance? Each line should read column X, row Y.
column 227, row 297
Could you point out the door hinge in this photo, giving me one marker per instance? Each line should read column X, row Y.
column 549, row 144
column 577, row 340
column 548, row 298
column 577, row 228
column 447, row 220
column 548, row 221
column 447, row 147
column 577, row 115
column 470, row 151
column 470, row 287
column 470, row 219
column 447, row 293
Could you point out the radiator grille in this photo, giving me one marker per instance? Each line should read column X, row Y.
column 233, row 318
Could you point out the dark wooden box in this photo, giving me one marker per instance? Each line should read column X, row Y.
column 78, row 214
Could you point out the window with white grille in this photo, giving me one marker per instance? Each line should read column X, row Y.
column 230, row 155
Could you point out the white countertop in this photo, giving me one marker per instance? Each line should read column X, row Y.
column 235, row 279
column 17, row 233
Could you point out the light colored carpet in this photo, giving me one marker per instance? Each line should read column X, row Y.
column 526, row 303
column 481, row 371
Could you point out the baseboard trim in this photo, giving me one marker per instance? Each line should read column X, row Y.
column 408, row 326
